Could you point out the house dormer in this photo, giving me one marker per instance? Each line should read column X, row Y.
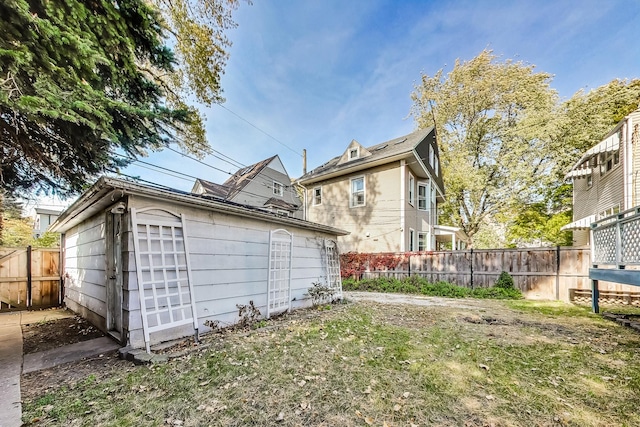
column 353, row 152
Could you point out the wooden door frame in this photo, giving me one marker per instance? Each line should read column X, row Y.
column 114, row 224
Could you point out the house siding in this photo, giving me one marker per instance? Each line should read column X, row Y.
column 260, row 189
column 85, row 270
column 416, row 219
column 634, row 131
column 229, row 258
column 379, row 218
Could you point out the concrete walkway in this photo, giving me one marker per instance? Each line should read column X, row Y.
column 11, row 357
column 10, row 368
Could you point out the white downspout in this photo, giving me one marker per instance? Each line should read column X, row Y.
column 628, row 164
column 402, row 203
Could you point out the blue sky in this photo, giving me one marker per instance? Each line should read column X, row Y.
column 316, row 74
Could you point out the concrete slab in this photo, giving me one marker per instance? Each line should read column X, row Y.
column 30, row 317
column 70, row 353
column 10, row 367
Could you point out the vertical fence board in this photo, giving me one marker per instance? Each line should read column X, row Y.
column 45, row 282
column 536, row 271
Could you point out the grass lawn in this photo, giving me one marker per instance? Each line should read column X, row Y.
column 503, row 363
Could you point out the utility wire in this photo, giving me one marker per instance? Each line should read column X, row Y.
column 199, row 161
column 256, row 127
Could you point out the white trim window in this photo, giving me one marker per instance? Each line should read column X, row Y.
column 422, row 196
column 436, row 166
column 609, row 160
column 354, row 153
column 278, row 189
column 423, row 239
column 412, row 186
column 412, row 234
column 317, row 196
column 431, row 154
column 282, row 212
column 357, row 192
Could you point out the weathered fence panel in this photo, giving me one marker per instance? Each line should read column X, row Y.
column 29, row 278
column 540, row 273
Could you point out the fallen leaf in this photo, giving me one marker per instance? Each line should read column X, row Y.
column 368, row 420
column 489, row 397
column 367, row 390
column 485, row 367
column 406, row 394
column 397, row 407
column 280, row 417
column 358, row 414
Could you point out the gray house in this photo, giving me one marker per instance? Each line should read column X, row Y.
column 605, row 178
column 44, row 218
column 265, row 185
column 149, row 264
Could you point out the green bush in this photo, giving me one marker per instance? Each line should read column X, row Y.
column 505, row 281
column 419, row 285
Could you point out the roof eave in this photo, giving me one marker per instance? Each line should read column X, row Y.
column 356, row 168
column 90, row 203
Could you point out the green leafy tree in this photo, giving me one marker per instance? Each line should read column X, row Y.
column 79, row 81
column 492, row 120
column 197, row 31
column 586, row 118
column 15, row 230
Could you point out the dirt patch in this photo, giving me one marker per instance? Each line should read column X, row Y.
column 43, row 336
column 36, row 384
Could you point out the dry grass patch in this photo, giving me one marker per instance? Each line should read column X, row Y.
column 373, row 364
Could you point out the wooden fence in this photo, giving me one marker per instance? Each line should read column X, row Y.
column 29, row 278
column 559, row 273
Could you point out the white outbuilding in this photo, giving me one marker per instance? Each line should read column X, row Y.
column 148, row 264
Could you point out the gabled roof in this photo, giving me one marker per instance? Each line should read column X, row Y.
column 107, row 191
column 236, row 182
column 279, row 203
column 242, row 177
column 210, row 188
column 395, row 149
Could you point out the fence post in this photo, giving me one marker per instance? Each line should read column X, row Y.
column 557, row 272
column 29, row 276
column 471, row 258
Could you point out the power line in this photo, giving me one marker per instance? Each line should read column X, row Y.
column 199, row 161
column 256, row 127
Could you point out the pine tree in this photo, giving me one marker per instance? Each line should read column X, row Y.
column 75, row 87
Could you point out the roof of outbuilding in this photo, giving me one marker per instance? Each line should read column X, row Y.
column 107, row 191
column 387, row 149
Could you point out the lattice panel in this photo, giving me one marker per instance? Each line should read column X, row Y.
column 332, row 260
column 162, row 262
column 279, row 294
column 630, row 244
column 604, row 245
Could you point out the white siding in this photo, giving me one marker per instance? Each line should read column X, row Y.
column 229, row 263
column 85, row 275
